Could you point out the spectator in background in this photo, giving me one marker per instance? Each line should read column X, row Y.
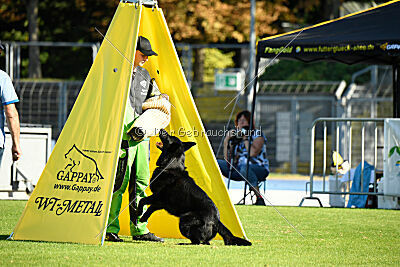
column 8, row 112
column 236, row 146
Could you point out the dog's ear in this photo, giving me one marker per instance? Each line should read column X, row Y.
column 187, row 145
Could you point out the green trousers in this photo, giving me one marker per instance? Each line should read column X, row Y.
column 132, row 170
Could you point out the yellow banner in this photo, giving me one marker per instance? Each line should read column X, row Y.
column 71, row 200
column 186, row 124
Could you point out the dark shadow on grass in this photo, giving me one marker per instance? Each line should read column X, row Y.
column 191, row 244
column 4, row 237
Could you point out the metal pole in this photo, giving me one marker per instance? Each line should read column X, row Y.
column 94, row 51
column 312, row 161
column 350, row 144
column 252, row 39
column 251, row 63
column 18, row 70
column 189, row 65
column 12, row 61
column 7, row 46
column 324, row 153
column 396, row 94
column 362, row 154
column 62, row 106
column 375, row 154
column 295, row 122
column 337, row 150
column 253, row 105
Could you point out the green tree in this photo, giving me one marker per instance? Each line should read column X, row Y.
column 309, row 12
column 35, row 70
column 200, row 21
column 71, row 21
column 216, row 59
column 219, row 21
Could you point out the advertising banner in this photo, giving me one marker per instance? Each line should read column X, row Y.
column 71, row 200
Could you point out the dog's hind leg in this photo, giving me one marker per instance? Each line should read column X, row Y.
column 195, row 229
column 186, row 222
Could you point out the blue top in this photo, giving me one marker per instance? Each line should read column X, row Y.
column 260, row 159
column 359, row 201
column 7, row 96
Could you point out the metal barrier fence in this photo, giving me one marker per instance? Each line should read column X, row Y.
column 347, row 132
column 13, row 53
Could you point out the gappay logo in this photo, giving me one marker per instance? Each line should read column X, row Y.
column 387, row 47
column 79, row 168
column 80, row 175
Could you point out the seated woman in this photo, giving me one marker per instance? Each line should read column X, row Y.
column 236, row 145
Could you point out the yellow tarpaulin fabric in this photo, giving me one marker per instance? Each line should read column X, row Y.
column 186, row 124
column 71, row 200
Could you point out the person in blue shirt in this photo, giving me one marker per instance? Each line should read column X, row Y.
column 8, row 112
column 236, row 145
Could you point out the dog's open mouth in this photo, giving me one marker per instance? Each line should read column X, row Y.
column 159, row 145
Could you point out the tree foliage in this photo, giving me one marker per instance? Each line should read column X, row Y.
column 206, row 21
column 215, row 59
column 59, row 21
column 200, row 21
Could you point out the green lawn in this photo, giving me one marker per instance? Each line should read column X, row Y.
column 331, row 237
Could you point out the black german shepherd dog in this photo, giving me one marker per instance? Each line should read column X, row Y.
column 176, row 192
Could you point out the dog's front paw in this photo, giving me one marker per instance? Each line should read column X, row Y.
column 146, row 215
column 143, row 219
column 139, row 211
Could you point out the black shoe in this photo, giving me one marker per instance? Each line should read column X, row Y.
column 113, row 237
column 148, row 237
column 260, row 202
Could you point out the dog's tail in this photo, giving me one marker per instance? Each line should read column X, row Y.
column 229, row 238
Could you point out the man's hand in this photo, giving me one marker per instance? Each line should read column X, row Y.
column 16, row 152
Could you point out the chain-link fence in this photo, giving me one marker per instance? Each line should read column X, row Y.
column 46, row 103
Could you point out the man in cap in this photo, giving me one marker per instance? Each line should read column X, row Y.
column 8, row 112
column 133, row 164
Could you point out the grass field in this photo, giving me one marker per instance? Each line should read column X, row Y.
column 331, row 237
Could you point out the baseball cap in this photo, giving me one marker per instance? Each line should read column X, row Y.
column 144, row 46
